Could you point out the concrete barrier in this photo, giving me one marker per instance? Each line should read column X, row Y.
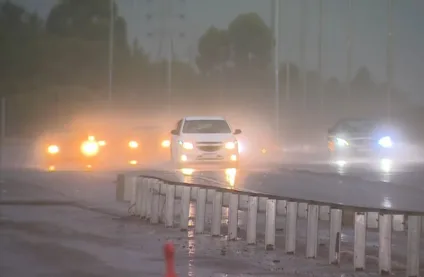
column 155, row 200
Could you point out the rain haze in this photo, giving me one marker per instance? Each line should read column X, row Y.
column 211, row 138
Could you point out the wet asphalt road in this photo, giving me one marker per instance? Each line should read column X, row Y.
column 97, row 236
column 398, row 188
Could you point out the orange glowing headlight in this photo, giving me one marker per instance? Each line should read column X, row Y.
column 101, row 143
column 89, row 148
column 53, row 149
column 133, row 144
column 166, row 143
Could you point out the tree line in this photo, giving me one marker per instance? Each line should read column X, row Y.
column 70, row 48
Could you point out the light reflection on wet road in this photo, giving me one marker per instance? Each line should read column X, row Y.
column 385, row 186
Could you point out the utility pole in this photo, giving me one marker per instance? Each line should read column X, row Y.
column 162, row 15
column 389, row 69
column 349, row 51
column 276, row 67
column 3, row 107
column 321, row 90
column 302, row 68
column 111, row 47
column 170, row 35
column 303, row 14
column 288, row 94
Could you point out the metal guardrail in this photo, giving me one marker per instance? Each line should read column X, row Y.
column 148, row 194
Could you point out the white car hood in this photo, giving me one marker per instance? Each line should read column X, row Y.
column 207, row 137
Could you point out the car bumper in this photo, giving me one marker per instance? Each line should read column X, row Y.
column 363, row 153
column 199, row 157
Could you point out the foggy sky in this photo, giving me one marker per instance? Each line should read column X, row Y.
column 369, row 28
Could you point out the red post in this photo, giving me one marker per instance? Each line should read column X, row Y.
column 169, row 260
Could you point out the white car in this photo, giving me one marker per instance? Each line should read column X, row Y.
column 204, row 140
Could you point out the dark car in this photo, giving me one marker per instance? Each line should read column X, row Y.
column 70, row 150
column 134, row 146
column 360, row 138
column 102, row 148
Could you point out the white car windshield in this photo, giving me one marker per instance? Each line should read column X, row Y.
column 206, row 127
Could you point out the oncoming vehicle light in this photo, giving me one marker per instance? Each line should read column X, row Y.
column 89, row 148
column 53, row 149
column 133, row 144
column 230, row 145
column 102, row 143
column 341, row 142
column 240, row 147
column 166, row 143
column 188, row 145
column 385, row 142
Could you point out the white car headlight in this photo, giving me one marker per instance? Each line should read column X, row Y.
column 230, row 145
column 385, row 142
column 341, row 142
column 188, row 145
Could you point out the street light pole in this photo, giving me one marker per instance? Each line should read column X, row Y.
column 170, row 56
column 389, row 58
column 349, row 51
column 321, row 90
column 3, row 114
column 111, row 47
column 276, row 67
column 303, row 14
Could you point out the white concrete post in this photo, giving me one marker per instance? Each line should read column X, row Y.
column 185, row 208
column 413, row 249
column 154, row 216
column 359, row 241
column 150, row 186
column 200, row 211
column 372, row 220
column 233, row 216
column 385, row 239
column 216, row 214
column 133, row 187
column 170, row 205
column 139, row 197
column 271, row 210
column 291, row 227
column 252, row 217
column 335, row 236
column 144, row 194
column 162, row 200
column 312, row 232
column 324, row 213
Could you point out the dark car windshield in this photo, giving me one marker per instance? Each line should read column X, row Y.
column 206, row 127
column 359, row 125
